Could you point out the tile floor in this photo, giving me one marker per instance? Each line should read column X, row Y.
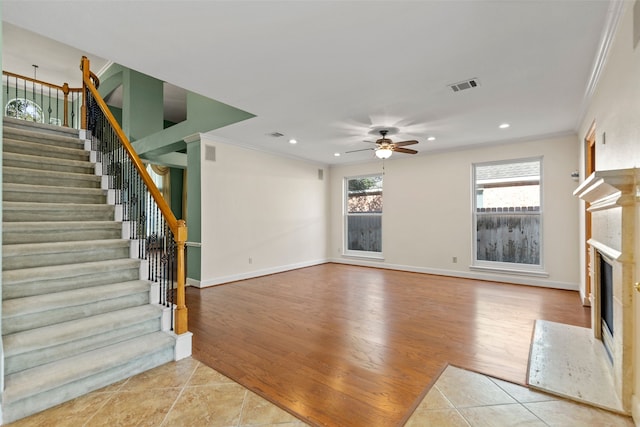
column 189, row 393
column 464, row 398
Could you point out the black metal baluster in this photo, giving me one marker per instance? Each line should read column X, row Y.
column 57, row 103
column 49, row 110
column 72, row 110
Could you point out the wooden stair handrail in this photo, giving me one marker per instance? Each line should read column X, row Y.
column 178, row 227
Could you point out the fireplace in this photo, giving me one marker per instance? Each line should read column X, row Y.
column 612, row 203
column 605, row 284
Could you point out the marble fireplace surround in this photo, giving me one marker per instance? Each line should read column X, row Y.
column 611, row 197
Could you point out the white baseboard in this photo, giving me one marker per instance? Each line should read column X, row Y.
column 476, row 275
column 193, row 282
column 251, row 274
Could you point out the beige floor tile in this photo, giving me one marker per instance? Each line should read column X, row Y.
column 211, row 406
column 258, row 411
column 523, row 394
column 501, row 415
column 135, row 408
column 566, row 413
column 465, row 389
column 169, row 375
column 112, row 387
column 205, row 375
column 70, row 414
column 437, row 418
column 433, row 400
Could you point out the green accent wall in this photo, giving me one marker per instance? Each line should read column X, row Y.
column 194, row 214
column 176, row 191
column 142, row 105
column 203, row 115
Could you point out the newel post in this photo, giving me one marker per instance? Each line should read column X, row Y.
column 84, row 66
column 181, row 320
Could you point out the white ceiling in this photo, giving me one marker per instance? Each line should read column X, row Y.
column 327, row 72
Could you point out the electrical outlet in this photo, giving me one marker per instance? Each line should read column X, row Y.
column 455, row 259
column 339, row 250
column 250, row 260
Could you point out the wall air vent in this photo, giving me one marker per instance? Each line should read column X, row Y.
column 466, row 84
column 210, row 153
column 275, row 134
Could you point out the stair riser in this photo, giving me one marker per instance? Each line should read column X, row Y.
column 41, row 287
column 104, row 213
column 56, row 352
column 61, row 235
column 23, row 196
column 45, row 151
column 36, row 403
column 33, row 177
column 48, row 166
column 37, row 320
column 59, row 258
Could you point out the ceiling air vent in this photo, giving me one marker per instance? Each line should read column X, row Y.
column 275, row 134
column 466, row 84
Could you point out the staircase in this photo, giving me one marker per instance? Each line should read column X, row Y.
column 76, row 315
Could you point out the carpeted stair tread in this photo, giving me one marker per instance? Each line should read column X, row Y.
column 27, row 255
column 77, row 297
column 39, row 162
column 51, row 178
column 12, row 192
column 38, row 380
column 57, row 278
column 27, row 349
column 57, row 140
column 35, row 149
column 33, row 339
column 34, row 211
column 10, row 123
column 55, row 231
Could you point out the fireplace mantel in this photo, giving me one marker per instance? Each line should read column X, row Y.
column 606, row 188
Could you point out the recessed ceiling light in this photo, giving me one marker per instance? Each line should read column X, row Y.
column 504, row 125
column 336, row 154
column 431, row 138
column 293, row 141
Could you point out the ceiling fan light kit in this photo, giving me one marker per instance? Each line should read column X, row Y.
column 383, row 153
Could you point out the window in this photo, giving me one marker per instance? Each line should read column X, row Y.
column 508, row 215
column 363, row 216
column 25, row 109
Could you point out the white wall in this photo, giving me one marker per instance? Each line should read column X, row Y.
column 615, row 109
column 260, row 206
column 427, row 210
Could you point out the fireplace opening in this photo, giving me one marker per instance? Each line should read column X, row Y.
column 606, row 302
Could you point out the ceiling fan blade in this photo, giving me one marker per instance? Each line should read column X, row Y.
column 405, row 150
column 355, row 151
column 403, row 143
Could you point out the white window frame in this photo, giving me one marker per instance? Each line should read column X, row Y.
column 499, row 266
column 351, row 252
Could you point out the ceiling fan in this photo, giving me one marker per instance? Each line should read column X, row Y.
column 386, row 147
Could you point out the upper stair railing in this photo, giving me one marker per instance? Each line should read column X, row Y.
column 42, row 102
column 152, row 224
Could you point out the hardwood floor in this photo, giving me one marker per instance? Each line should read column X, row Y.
column 341, row 345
